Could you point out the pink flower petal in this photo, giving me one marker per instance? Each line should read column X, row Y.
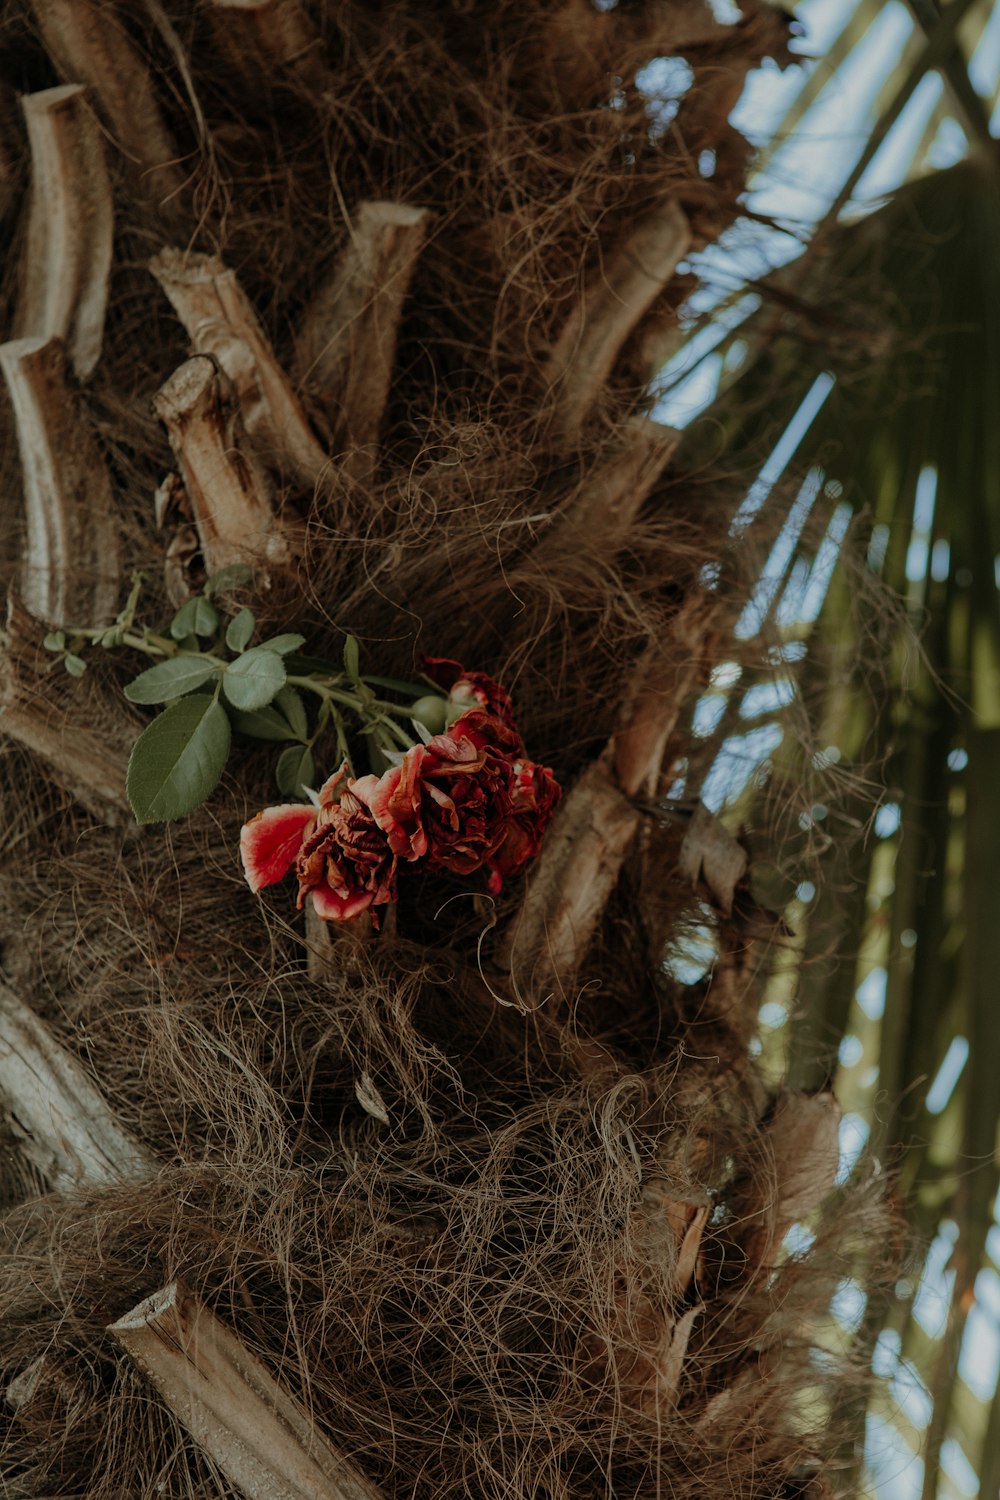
column 394, row 803
column 364, row 789
column 329, row 787
column 271, row 840
column 335, row 908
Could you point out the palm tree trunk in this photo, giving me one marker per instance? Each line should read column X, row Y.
column 487, row 1203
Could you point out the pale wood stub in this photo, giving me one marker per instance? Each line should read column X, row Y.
column 221, row 323
column 89, row 43
column 67, row 260
column 69, row 563
column 264, row 1442
column 629, row 279
column 228, row 491
column 64, row 1125
column 346, row 348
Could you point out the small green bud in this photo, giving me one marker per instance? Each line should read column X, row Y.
column 456, row 707
column 432, row 712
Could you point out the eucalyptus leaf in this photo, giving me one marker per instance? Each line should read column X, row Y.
column 291, row 705
column 227, row 578
column 196, row 617
column 252, row 680
column 178, row 759
column 240, row 630
column 169, row 679
column 283, row 644
column 295, row 770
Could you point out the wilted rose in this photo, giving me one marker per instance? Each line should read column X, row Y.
column 449, row 801
column 465, row 800
column 346, row 864
column 340, row 855
column 487, row 732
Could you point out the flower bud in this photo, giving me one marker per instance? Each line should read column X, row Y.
column 431, row 711
column 457, row 708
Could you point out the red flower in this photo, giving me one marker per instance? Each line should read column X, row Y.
column 487, row 732
column 346, row 863
column 474, row 688
column 466, row 799
column 536, row 795
column 449, row 801
column 340, row 855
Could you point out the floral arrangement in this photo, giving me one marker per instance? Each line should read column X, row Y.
column 450, row 788
column 461, row 801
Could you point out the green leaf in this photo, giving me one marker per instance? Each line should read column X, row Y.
column 55, row 640
column 240, row 629
column 351, row 657
column 169, row 679
column 227, row 578
column 196, row 617
column 294, row 710
column 282, row 644
column 112, row 637
column 378, row 758
column 295, row 770
column 252, row 679
column 263, row 723
column 284, row 719
column 75, row 665
column 408, row 689
column 315, row 666
column 178, row 759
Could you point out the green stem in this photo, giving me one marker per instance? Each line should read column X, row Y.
column 402, row 738
column 322, row 689
column 343, row 748
column 372, row 711
column 361, row 705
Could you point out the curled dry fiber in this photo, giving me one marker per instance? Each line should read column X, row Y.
column 486, row 1205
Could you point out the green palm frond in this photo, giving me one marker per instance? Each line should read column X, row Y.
column 891, row 977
